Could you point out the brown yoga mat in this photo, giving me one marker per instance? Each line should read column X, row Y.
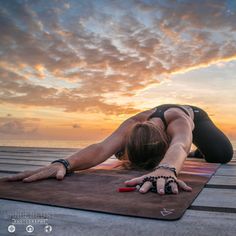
column 96, row 190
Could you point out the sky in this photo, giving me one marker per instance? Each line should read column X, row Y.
column 74, row 70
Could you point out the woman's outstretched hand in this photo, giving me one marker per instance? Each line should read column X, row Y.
column 160, row 182
column 56, row 170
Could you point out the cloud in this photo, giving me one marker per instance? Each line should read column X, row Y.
column 76, row 126
column 71, row 100
column 18, row 126
column 95, row 51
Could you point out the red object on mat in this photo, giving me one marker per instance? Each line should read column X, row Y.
column 130, row 189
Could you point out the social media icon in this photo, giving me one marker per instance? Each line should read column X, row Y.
column 11, row 228
column 30, row 228
column 48, row 228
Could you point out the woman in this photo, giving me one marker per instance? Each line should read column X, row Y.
column 158, row 140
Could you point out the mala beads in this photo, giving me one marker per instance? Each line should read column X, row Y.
column 153, row 180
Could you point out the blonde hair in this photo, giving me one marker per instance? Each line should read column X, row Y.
column 146, row 146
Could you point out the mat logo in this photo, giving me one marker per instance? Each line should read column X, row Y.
column 166, row 212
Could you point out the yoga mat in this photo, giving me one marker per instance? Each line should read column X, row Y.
column 96, row 190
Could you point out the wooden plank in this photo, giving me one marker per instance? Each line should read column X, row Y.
column 223, row 180
column 225, row 172
column 34, row 149
column 17, row 168
column 232, row 163
column 36, row 158
column 23, row 162
column 75, row 222
column 228, row 169
column 216, row 198
column 33, row 155
column 22, row 167
column 28, row 159
column 229, row 166
column 37, row 153
column 4, row 174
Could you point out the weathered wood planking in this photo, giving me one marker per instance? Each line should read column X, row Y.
column 226, row 171
column 214, row 197
column 17, row 159
column 14, row 168
column 205, row 221
column 27, row 159
column 75, row 222
column 3, row 174
column 223, row 180
column 23, row 162
column 34, row 154
column 30, row 158
column 35, row 149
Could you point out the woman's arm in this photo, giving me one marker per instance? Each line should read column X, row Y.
column 99, row 152
column 180, row 130
column 83, row 159
column 88, row 157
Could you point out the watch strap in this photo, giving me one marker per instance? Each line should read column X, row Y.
column 65, row 163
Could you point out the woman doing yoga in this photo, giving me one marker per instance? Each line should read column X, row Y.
column 158, row 140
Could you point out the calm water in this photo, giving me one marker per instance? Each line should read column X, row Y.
column 56, row 143
column 46, row 143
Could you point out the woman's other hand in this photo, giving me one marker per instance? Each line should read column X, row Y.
column 160, row 182
column 55, row 170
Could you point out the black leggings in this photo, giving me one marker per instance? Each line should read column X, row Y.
column 209, row 140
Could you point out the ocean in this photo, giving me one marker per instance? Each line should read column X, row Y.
column 46, row 143
column 57, row 143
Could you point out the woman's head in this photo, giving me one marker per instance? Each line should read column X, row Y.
column 146, row 145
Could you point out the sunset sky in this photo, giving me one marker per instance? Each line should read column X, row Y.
column 74, row 70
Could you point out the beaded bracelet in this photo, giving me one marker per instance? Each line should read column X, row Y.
column 153, row 179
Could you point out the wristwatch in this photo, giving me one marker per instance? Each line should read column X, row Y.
column 65, row 163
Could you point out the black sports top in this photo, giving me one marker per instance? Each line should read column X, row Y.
column 159, row 112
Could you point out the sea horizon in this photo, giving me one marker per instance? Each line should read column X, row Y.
column 57, row 143
column 46, row 143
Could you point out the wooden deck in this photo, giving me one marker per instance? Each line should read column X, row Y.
column 212, row 213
